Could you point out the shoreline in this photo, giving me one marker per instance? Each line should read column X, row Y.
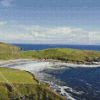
column 48, row 60
column 4, row 62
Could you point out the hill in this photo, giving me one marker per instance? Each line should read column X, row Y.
column 17, row 85
column 8, row 48
column 8, row 51
column 64, row 54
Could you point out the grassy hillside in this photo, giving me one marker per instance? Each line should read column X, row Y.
column 23, row 84
column 64, row 54
column 16, row 76
column 8, row 51
column 8, row 48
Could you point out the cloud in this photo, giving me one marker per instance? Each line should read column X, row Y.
column 15, row 36
column 32, row 27
column 37, row 35
column 6, row 3
column 59, row 30
column 3, row 23
column 61, row 35
column 55, row 30
column 12, row 21
column 94, row 35
column 35, row 28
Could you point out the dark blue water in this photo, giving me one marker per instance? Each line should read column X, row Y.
column 46, row 46
column 79, row 79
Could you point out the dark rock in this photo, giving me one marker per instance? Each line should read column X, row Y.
column 95, row 60
column 21, row 48
column 88, row 63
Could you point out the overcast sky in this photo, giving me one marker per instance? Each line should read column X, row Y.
column 50, row 21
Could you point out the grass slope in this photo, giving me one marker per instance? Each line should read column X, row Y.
column 15, row 91
column 8, row 51
column 16, row 76
column 8, row 48
column 63, row 54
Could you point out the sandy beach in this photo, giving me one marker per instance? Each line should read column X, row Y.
column 3, row 62
column 95, row 64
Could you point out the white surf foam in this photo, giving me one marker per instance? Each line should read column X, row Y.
column 75, row 65
column 31, row 66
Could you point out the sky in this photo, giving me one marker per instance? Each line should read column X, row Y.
column 50, row 21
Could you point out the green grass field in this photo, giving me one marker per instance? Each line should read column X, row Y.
column 16, row 76
column 65, row 54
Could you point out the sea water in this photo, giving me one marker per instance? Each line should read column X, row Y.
column 72, row 81
column 46, row 46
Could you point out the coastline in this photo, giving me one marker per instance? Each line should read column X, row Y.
column 4, row 62
column 41, row 61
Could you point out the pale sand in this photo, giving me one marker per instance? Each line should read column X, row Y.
column 58, row 62
column 3, row 62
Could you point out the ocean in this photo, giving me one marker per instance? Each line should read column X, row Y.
column 46, row 46
column 77, row 83
column 74, row 82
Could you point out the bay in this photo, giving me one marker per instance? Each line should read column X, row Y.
column 74, row 82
